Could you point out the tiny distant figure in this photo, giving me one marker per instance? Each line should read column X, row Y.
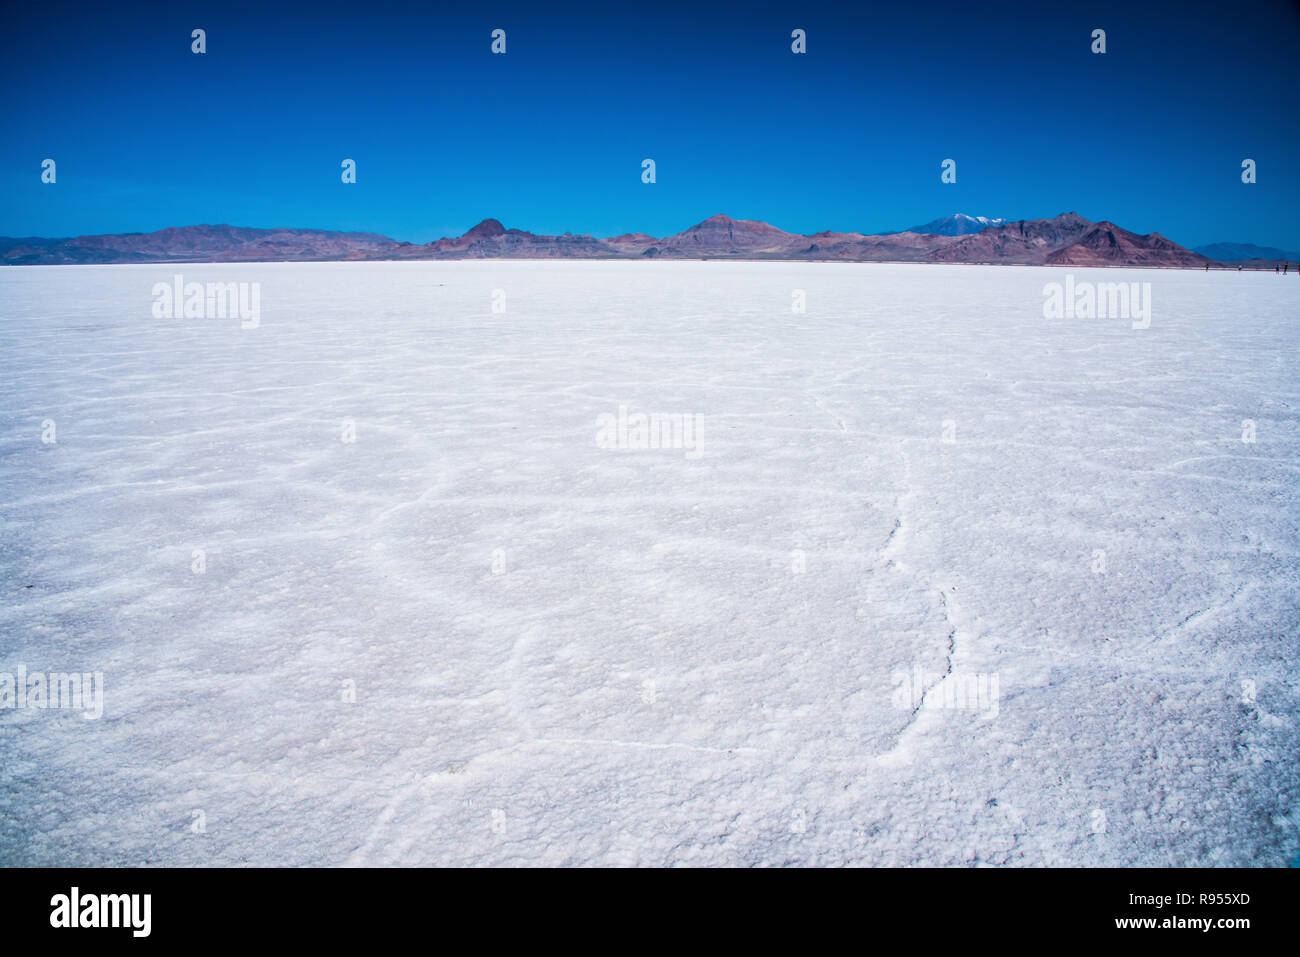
column 1207, row 267
column 1277, row 270
column 1238, row 269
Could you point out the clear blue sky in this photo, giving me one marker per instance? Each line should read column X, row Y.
column 550, row 137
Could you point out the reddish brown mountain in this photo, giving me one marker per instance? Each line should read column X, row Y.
column 1027, row 242
column 491, row 240
column 197, row 244
column 724, row 236
column 892, row 247
column 488, row 229
column 1106, row 244
column 1068, row 239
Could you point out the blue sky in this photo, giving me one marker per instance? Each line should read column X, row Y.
column 550, row 137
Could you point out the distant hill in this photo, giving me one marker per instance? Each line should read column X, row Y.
column 1068, row 239
column 1244, row 252
column 1105, row 244
column 195, row 244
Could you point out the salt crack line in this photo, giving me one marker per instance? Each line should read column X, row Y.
column 1210, row 611
column 897, row 755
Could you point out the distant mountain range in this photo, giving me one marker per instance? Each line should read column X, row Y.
column 1065, row 240
column 1245, row 252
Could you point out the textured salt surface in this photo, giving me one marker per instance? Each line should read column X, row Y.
column 646, row 677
